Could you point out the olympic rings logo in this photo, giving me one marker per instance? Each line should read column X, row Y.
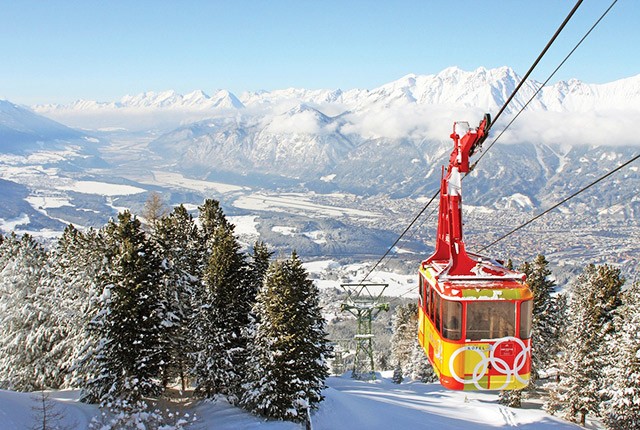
column 496, row 363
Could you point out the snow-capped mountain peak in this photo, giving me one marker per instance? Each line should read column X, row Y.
column 453, row 88
column 226, row 99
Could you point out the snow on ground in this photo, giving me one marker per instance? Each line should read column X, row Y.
column 349, row 405
column 296, row 201
column 352, row 404
column 39, row 158
column 19, row 410
column 47, row 202
column 101, row 188
column 284, row 230
column 328, row 178
column 320, row 266
column 399, row 285
column 245, row 225
column 317, row 236
column 177, row 180
column 118, row 209
column 12, row 224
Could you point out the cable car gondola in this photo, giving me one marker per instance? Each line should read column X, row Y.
column 474, row 313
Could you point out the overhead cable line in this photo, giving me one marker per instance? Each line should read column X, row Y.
column 543, row 85
column 401, row 236
column 562, row 202
column 535, row 63
column 546, row 48
column 511, row 122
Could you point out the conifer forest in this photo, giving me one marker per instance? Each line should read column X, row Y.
column 128, row 310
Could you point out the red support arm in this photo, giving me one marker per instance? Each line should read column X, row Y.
column 449, row 244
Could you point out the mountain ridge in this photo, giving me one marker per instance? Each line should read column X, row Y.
column 451, row 85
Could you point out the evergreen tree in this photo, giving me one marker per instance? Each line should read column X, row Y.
column 405, row 335
column 71, row 287
column 622, row 409
column 127, row 359
column 53, row 312
column 8, row 248
column 406, row 351
column 548, row 318
column 397, row 375
column 511, row 398
column 211, row 217
column 547, row 325
column 179, row 243
column 595, row 297
column 420, row 368
column 287, row 363
column 23, row 364
column 223, row 303
column 258, row 267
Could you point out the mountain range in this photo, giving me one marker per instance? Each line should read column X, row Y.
column 483, row 88
column 391, row 140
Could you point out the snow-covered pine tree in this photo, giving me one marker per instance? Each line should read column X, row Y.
column 211, row 217
column 622, row 408
column 420, row 369
column 289, row 350
column 256, row 274
column 258, row 267
column 21, row 351
column 595, row 296
column 511, row 398
column 406, row 351
column 179, row 243
column 126, row 361
column 8, row 248
column 71, row 287
column 405, row 335
column 548, row 317
column 223, row 302
column 547, row 325
column 397, row 377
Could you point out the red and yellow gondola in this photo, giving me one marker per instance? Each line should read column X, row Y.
column 474, row 314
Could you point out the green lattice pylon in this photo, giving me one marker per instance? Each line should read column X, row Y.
column 364, row 301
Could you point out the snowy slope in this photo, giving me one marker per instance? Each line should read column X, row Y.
column 17, row 410
column 23, row 131
column 349, row 405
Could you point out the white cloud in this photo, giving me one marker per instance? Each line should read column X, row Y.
column 610, row 127
column 411, row 120
column 305, row 122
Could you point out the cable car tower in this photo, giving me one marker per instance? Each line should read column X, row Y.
column 364, row 301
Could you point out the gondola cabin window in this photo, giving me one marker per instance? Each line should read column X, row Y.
column 432, row 307
column 437, row 310
column 525, row 319
column 451, row 319
column 490, row 320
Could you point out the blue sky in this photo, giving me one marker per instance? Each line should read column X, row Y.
column 60, row 51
